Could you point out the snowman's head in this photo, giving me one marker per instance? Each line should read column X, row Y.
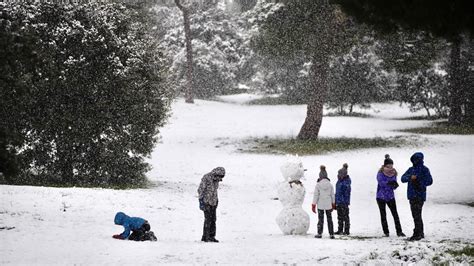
column 292, row 169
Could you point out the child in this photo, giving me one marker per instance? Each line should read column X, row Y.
column 386, row 184
column 208, row 201
column 324, row 201
column 140, row 228
column 343, row 200
column 418, row 178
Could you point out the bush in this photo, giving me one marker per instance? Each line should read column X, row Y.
column 83, row 96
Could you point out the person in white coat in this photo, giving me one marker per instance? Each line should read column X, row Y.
column 324, row 200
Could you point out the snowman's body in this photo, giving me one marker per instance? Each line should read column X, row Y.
column 292, row 220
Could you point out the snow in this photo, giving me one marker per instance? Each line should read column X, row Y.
column 75, row 225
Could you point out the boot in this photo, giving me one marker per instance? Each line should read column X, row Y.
column 415, row 238
column 317, row 236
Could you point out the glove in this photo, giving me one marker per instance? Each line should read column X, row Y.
column 201, row 204
column 393, row 184
column 117, row 237
column 313, row 207
column 334, row 206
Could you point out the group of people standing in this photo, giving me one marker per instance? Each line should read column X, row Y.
column 325, row 200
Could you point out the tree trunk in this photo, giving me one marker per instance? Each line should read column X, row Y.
column 188, row 94
column 455, row 92
column 314, row 113
column 427, row 110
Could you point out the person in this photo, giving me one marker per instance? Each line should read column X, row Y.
column 418, row 178
column 386, row 184
column 140, row 228
column 324, row 201
column 208, row 201
column 343, row 200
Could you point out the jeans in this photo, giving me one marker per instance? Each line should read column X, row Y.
column 343, row 221
column 209, row 229
column 321, row 221
column 139, row 234
column 416, row 206
column 392, row 205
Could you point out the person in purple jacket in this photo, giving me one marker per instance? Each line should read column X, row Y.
column 387, row 183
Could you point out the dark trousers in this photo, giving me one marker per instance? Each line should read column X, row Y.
column 139, row 234
column 209, row 230
column 416, row 206
column 343, row 222
column 392, row 205
column 321, row 221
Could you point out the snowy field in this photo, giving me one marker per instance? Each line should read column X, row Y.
column 75, row 225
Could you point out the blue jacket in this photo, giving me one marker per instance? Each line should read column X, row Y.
column 384, row 190
column 343, row 191
column 129, row 223
column 417, row 187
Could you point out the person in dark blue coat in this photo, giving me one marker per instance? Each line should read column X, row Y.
column 418, row 178
column 139, row 227
column 343, row 200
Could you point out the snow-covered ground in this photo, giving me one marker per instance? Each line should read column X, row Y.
column 75, row 225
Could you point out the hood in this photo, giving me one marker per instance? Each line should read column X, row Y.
column 417, row 159
column 120, row 218
column 218, row 173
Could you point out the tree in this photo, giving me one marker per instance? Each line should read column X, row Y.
column 316, row 29
column 218, row 50
column 356, row 79
column 448, row 19
column 426, row 90
column 82, row 93
column 189, row 52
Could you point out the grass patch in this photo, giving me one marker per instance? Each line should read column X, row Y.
column 353, row 114
column 443, row 128
column 320, row 146
column 273, row 101
column 421, row 117
column 467, row 250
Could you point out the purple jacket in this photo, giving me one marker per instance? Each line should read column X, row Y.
column 385, row 191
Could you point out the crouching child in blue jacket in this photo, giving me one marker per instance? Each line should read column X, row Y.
column 139, row 227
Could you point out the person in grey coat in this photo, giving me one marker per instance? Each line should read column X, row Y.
column 324, row 202
column 208, row 201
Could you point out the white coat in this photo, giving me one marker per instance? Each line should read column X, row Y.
column 324, row 195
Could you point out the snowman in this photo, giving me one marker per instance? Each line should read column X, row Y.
column 292, row 220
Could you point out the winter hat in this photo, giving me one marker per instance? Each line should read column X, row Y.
column 342, row 173
column 387, row 160
column 323, row 173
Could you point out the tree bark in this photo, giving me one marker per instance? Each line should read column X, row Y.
column 455, row 92
column 314, row 113
column 189, row 92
